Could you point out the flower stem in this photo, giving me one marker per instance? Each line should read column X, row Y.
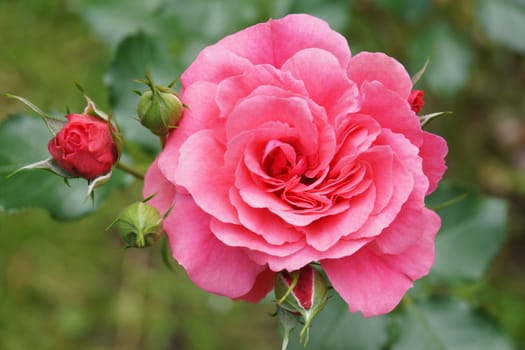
column 284, row 344
column 128, row 169
column 162, row 140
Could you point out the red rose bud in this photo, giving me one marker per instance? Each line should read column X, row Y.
column 415, row 99
column 84, row 147
column 303, row 292
column 139, row 225
column 159, row 108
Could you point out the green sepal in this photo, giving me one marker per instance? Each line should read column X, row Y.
column 97, row 182
column 420, row 72
column 47, row 164
column 282, row 292
column 92, row 110
column 116, row 135
column 425, row 119
column 53, row 124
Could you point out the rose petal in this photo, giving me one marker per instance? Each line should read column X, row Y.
column 405, row 230
column 264, row 223
column 376, row 66
column 277, row 40
column 310, row 64
column 201, row 114
column 263, row 285
column 155, row 183
column 214, row 64
column 433, row 151
column 408, row 181
column 238, row 236
column 236, row 88
column 253, row 112
column 328, row 230
column 201, row 172
column 306, row 255
column 374, row 284
column 209, row 263
column 391, row 111
column 354, row 134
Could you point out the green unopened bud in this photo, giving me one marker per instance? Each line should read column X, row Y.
column 139, row 225
column 302, row 293
column 159, row 109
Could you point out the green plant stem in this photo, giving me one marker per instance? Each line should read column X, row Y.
column 128, row 169
column 163, row 139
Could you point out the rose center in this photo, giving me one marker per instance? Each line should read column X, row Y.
column 74, row 138
column 73, row 141
column 281, row 161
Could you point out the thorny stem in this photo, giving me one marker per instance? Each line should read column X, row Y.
column 132, row 171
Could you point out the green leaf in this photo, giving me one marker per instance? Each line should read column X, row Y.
column 503, row 21
column 185, row 26
column 473, row 232
column 134, row 56
column 114, row 20
column 23, row 140
column 447, row 325
column 336, row 328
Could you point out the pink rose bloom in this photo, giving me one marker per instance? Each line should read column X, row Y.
column 293, row 151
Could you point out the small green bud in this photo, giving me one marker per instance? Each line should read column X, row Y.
column 159, row 109
column 139, row 225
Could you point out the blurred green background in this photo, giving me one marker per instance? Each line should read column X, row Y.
column 67, row 285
